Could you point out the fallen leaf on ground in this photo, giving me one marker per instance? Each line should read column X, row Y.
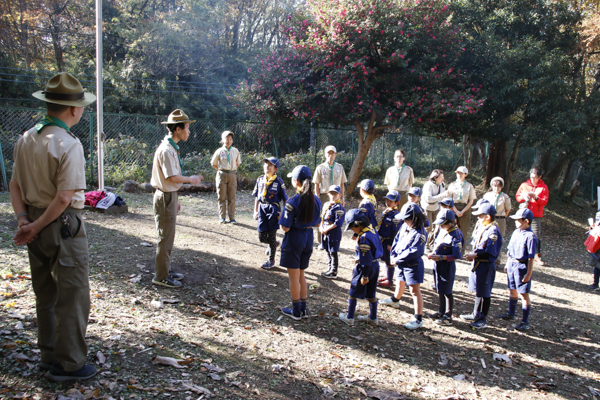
column 196, row 389
column 384, row 395
column 502, row 358
column 458, row 377
column 146, row 244
column 212, row 367
column 101, row 358
column 167, row 361
column 214, row 376
column 209, row 313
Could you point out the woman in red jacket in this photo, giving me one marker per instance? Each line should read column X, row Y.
column 533, row 194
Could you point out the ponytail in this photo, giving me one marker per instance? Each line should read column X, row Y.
column 307, row 202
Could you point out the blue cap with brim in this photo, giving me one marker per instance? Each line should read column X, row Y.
column 367, row 185
column 485, row 208
column 447, row 201
column 300, row 173
column 335, row 189
column 352, row 216
column 272, row 160
column 393, row 195
column 415, row 191
column 524, row 213
column 479, row 203
column 408, row 211
column 443, row 216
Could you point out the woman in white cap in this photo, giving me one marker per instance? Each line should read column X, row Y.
column 226, row 161
column 500, row 201
column 400, row 177
column 434, row 191
column 463, row 194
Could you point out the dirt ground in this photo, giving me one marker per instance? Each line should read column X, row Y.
column 226, row 323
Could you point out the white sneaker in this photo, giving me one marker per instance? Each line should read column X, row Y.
column 368, row 320
column 390, row 302
column 414, row 324
column 348, row 321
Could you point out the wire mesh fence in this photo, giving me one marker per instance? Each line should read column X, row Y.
column 131, row 139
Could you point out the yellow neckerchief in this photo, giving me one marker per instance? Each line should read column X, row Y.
column 485, row 228
column 329, row 204
column 371, row 198
column 365, row 230
column 267, row 183
column 387, row 210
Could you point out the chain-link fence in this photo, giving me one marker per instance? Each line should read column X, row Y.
column 130, row 141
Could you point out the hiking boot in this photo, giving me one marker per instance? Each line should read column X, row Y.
column 167, row 282
column 444, row 321
column 368, row 320
column 290, row 313
column 414, row 324
column 330, row 274
column 523, row 326
column 344, row 317
column 58, row 374
column 390, row 302
column 479, row 324
column 176, row 275
column 507, row 316
column 268, row 265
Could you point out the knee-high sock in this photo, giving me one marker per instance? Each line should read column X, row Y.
column 442, row 307
column 351, row 307
column 449, row 305
column 487, row 301
column 373, row 308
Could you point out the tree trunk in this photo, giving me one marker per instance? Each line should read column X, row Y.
column 562, row 183
column 467, row 151
column 364, row 144
column 596, row 84
column 542, row 160
column 496, row 162
column 478, row 161
column 574, row 189
column 511, row 167
column 557, row 168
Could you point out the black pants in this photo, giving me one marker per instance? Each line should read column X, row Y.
column 333, row 260
column 269, row 237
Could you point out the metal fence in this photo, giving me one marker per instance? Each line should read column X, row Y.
column 130, row 141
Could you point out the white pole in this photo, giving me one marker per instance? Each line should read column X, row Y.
column 99, row 95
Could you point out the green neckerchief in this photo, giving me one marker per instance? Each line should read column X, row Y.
column 399, row 173
column 331, row 174
column 461, row 188
column 228, row 155
column 177, row 150
column 51, row 121
column 497, row 198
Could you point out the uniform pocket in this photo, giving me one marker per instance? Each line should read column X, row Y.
column 74, row 250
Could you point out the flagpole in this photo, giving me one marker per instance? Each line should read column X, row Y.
column 99, row 96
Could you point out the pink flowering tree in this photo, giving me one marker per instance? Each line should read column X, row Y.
column 373, row 64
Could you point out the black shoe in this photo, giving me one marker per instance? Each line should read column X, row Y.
column 435, row 315
column 289, row 311
column 331, row 274
column 523, row 326
column 444, row 321
column 479, row 324
column 507, row 316
column 168, row 282
column 176, row 275
column 58, row 374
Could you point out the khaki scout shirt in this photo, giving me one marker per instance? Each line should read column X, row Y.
column 407, row 178
column 500, row 202
column 322, row 176
column 165, row 165
column 220, row 159
column 47, row 162
column 462, row 193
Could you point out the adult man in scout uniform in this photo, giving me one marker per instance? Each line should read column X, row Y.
column 167, row 178
column 327, row 174
column 399, row 177
column 46, row 191
column 226, row 160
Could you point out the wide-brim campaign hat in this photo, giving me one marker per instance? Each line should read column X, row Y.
column 177, row 117
column 65, row 89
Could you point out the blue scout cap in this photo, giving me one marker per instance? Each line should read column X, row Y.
column 335, row 188
column 524, row 213
column 479, row 203
column 409, row 211
column 368, row 186
column 272, row 160
column 300, row 173
column 393, row 195
column 485, row 208
column 448, row 202
column 443, row 216
column 415, row 191
column 354, row 215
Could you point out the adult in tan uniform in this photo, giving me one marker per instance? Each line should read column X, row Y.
column 327, row 174
column 167, row 178
column 226, row 161
column 502, row 204
column 400, row 177
column 46, row 191
column 463, row 194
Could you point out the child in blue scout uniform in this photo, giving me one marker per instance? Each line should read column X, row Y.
column 447, row 247
column 414, row 196
column 595, row 257
column 406, row 253
column 301, row 212
column 331, row 229
column 388, row 229
column 269, row 192
column 368, row 205
column 364, row 276
column 519, row 267
column 486, row 244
